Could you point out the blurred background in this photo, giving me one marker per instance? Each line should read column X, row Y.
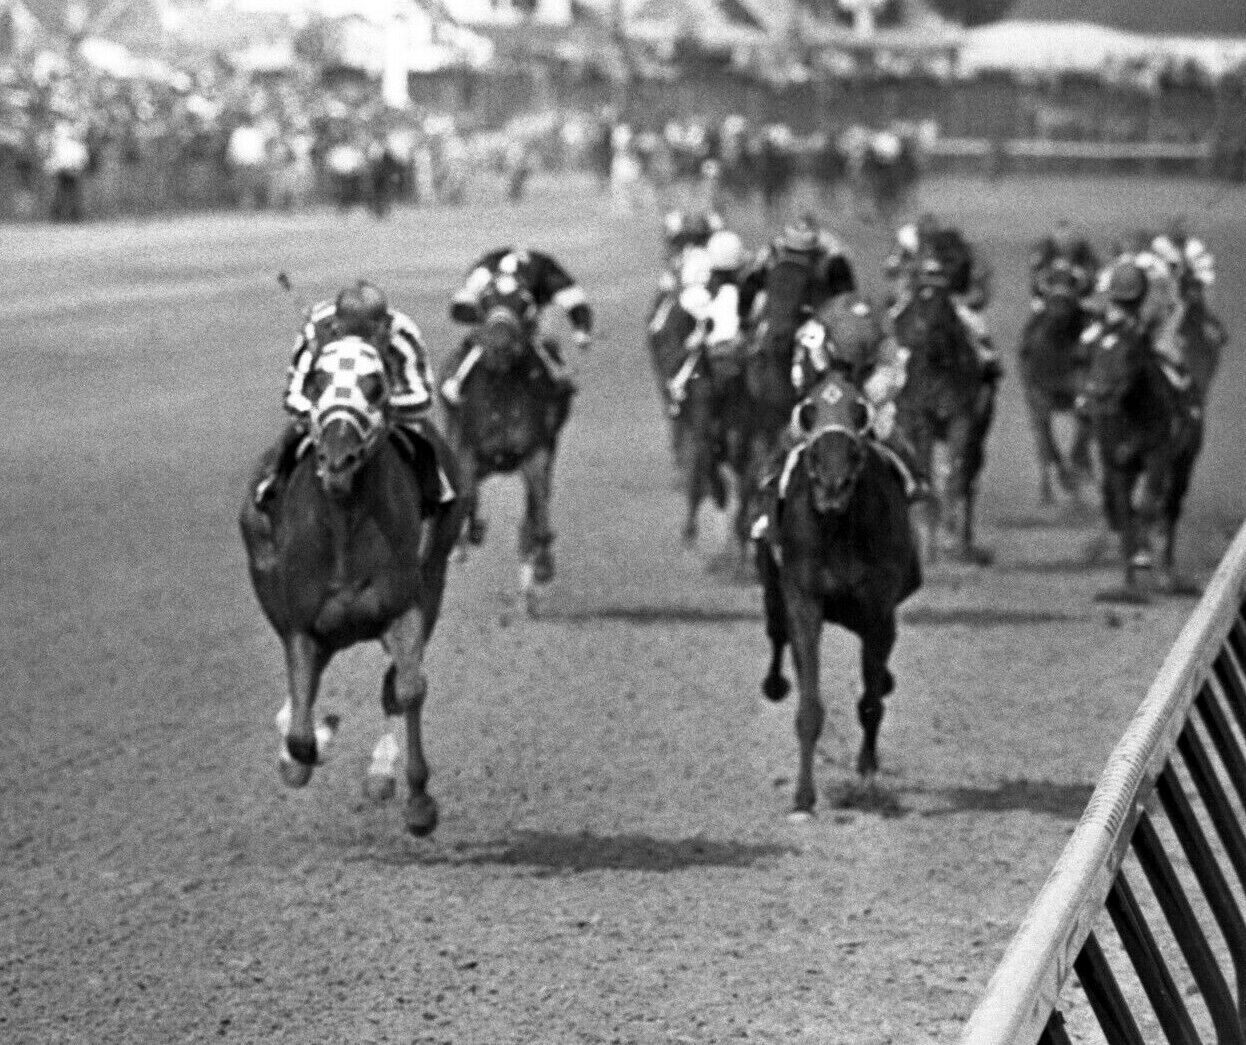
column 114, row 107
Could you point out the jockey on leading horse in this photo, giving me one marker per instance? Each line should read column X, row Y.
column 1189, row 269
column 968, row 281
column 846, row 338
column 532, row 277
column 358, row 311
column 711, row 296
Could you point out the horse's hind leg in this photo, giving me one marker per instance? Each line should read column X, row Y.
column 877, row 641
column 536, row 535
column 774, row 685
column 1045, row 443
column 403, row 694
column 303, row 741
column 804, row 617
column 965, row 438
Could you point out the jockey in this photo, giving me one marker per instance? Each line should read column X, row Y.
column 845, row 337
column 920, row 244
column 1066, row 253
column 1179, row 258
column 358, row 311
column 805, row 242
column 1125, row 285
column 682, row 233
column 539, row 279
column 714, row 302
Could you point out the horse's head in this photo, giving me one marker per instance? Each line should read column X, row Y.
column 1060, row 286
column 929, row 326
column 506, row 328
column 349, row 390
column 831, row 423
column 1115, row 362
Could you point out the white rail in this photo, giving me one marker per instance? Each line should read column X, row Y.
column 1026, row 986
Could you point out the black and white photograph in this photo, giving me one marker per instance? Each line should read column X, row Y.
column 623, row 522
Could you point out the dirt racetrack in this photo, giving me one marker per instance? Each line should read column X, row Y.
column 614, row 863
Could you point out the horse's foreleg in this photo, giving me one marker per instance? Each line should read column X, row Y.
column 965, row 437
column 536, row 535
column 403, row 694
column 804, row 618
column 876, row 645
column 1079, row 454
column 774, row 685
column 304, row 742
column 1045, row 443
column 474, row 525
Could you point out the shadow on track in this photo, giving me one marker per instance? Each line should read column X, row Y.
column 1044, row 797
column 554, row 853
column 983, row 617
column 659, row 615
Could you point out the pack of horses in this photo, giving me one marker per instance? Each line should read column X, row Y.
column 357, row 546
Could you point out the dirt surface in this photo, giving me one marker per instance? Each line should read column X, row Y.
column 614, row 863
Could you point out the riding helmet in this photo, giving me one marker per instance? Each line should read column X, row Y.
column 725, row 250
column 1127, row 284
column 853, row 331
column 351, row 315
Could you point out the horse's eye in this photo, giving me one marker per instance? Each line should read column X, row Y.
column 372, row 387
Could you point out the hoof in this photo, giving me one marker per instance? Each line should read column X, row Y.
column 302, row 750
column 801, row 816
column 293, row 774
column 976, row 556
column 689, row 534
column 535, row 599
column 775, row 687
column 1179, row 587
column 867, row 766
column 421, row 815
column 1129, row 595
column 476, row 530
column 377, row 787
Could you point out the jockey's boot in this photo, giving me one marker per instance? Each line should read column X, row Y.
column 280, row 463
column 435, row 485
column 465, row 357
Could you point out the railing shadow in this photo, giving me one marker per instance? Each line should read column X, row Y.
column 1044, row 797
column 556, row 853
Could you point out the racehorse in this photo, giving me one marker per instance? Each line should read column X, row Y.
column 839, row 549
column 945, row 400
column 1201, row 337
column 1052, row 366
column 509, row 419
column 1149, row 433
column 791, row 291
column 356, row 549
column 670, row 326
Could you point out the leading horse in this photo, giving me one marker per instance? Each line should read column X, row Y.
column 509, row 419
column 1053, row 368
column 356, row 549
column 840, row 549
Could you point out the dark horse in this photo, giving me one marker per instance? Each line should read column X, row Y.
column 1201, row 337
column 356, row 549
column 670, row 326
column 1053, row 367
column 1149, row 433
column 841, row 549
column 945, row 400
column 710, row 428
column 508, row 420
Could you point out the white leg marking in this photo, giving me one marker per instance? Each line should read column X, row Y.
column 283, row 719
column 385, row 754
column 325, row 732
column 527, row 576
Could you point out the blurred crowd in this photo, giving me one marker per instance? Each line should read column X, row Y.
column 73, row 136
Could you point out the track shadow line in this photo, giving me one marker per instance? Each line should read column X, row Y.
column 556, row 853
